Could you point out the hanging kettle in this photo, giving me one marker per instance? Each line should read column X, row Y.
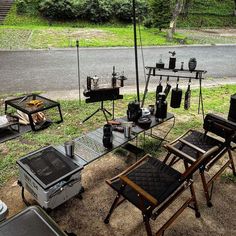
column 176, row 96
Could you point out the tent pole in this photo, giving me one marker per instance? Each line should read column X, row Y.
column 135, row 50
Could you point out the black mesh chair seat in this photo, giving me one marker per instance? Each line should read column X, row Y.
column 155, row 177
column 198, row 139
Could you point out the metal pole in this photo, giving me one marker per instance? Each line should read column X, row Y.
column 135, row 49
column 78, row 62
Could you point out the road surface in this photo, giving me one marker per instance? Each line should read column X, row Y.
column 51, row 70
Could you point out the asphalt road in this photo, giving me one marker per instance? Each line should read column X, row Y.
column 50, row 70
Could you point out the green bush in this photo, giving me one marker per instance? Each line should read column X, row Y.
column 57, row 9
column 124, row 9
column 21, row 6
column 91, row 10
column 98, row 10
column 29, row 7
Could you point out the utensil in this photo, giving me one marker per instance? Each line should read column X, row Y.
column 159, row 87
column 168, row 87
column 187, row 96
column 176, row 96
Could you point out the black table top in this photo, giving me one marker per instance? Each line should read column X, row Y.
column 30, row 222
column 21, row 103
column 48, row 166
column 137, row 129
column 90, row 147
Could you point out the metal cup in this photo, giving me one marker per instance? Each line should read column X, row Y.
column 127, row 132
column 69, row 148
column 127, row 129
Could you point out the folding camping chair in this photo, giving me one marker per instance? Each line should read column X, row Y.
column 152, row 186
column 196, row 144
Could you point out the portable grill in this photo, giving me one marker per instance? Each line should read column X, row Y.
column 50, row 177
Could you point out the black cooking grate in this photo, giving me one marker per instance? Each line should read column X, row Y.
column 88, row 149
column 49, row 165
column 22, row 102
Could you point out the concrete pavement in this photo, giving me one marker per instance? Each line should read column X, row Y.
column 206, row 83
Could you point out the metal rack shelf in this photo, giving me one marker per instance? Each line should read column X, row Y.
column 176, row 73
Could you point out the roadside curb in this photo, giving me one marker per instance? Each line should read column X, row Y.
column 116, row 48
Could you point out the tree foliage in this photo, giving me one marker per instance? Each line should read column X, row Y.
column 123, row 9
column 159, row 14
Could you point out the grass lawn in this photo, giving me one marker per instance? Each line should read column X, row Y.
column 216, row 100
column 23, row 32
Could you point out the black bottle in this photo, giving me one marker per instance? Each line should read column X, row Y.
column 172, row 60
column 161, row 107
column 107, row 136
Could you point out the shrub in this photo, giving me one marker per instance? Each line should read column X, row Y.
column 27, row 6
column 57, row 9
column 98, row 10
column 124, row 9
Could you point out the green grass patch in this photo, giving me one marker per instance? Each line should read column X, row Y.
column 17, row 37
column 216, row 100
column 27, row 31
column 229, row 178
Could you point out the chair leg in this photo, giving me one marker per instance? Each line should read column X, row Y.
column 113, row 206
column 147, row 225
column 232, row 162
column 205, row 187
column 197, row 213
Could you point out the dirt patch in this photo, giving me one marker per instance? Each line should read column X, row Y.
column 85, row 217
column 212, row 32
column 81, row 33
column 210, row 36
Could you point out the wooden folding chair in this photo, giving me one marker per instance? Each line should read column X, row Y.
column 152, row 186
column 196, row 144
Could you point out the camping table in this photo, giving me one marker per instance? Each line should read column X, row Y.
column 20, row 104
column 137, row 129
column 89, row 147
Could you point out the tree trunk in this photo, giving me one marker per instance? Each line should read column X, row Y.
column 175, row 13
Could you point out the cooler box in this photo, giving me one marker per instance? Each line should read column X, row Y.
column 32, row 221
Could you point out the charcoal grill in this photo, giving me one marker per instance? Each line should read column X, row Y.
column 50, row 177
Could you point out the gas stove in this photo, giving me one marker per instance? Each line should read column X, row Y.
column 50, row 177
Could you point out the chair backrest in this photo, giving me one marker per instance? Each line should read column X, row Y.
column 221, row 127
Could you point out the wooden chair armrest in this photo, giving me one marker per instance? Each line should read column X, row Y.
column 132, row 167
column 189, row 171
column 139, row 190
column 192, row 146
column 179, row 153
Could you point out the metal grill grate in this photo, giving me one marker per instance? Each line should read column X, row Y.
column 88, row 148
column 49, row 165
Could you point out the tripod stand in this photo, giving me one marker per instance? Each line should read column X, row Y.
column 101, row 108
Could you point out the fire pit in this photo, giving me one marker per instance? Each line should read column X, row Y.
column 50, row 177
column 32, row 106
